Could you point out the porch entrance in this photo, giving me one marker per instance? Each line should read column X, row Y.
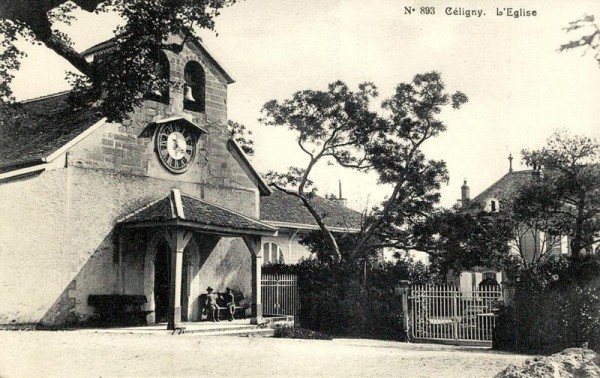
column 161, row 282
column 178, row 217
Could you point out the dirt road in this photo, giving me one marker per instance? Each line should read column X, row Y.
column 81, row 354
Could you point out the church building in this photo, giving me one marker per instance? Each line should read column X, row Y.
column 160, row 206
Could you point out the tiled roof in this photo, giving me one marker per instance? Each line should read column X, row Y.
column 203, row 212
column 506, row 187
column 283, row 208
column 41, row 127
column 157, row 211
column 196, row 211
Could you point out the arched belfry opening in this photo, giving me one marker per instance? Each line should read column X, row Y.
column 162, row 72
column 194, row 88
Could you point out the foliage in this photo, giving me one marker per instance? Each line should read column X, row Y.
column 338, row 124
column 119, row 80
column 567, row 189
column 332, row 125
column 560, row 199
column 589, row 37
column 556, row 305
column 293, row 332
column 241, row 135
column 316, row 243
column 335, row 301
column 396, row 156
column 458, row 240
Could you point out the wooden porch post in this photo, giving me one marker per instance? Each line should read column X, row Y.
column 254, row 245
column 177, row 240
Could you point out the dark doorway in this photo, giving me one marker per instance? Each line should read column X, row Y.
column 162, row 264
column 185, row 289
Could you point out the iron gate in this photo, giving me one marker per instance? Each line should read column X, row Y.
column 448, row 313
column 280, row 295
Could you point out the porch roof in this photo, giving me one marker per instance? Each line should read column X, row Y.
column 178, row 209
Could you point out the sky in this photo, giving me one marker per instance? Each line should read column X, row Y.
column 520, row 87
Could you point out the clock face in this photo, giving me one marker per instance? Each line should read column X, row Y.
column 176, row 147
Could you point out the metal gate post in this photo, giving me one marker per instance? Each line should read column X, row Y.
column 455, row 313
column 277, row 305
column 403, row 289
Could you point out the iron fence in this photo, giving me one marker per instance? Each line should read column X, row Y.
column 449, row 313
column 280, row 295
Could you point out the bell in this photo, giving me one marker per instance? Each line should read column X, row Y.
column 156, row 93
column 187, row 95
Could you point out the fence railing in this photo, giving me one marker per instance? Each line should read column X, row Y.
column 280, row 295
column 449, row 313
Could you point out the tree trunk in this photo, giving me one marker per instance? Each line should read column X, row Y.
column 328, row 235
column 577, row 241
column 35, row 17
column 377, row 223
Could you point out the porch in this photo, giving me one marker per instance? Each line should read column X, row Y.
column 180, row 235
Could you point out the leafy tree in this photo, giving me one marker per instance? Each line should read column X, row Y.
column 589, row 37
column 333, row 125
column 568, row 189
column 118, row 82
column 461, row 238
column 241, row 135
column 456, row 240
column 316, row 243
column 338, row 124
column 540, row 229
column 396, row 156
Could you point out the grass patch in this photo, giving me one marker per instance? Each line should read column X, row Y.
column 292, row 332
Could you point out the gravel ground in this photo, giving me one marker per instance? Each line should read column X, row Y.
column 84, row 354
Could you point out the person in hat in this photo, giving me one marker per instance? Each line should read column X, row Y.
column 211, row 303
column 230, row 300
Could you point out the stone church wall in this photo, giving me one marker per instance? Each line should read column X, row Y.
column 57, row 230
column 58, row 244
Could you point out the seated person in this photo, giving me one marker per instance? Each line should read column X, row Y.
column 230, row 301
column 211, row 303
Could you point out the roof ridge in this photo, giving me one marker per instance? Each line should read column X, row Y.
column 103, row 46
column 44, row 97
column 327, row 200
column 228, row 210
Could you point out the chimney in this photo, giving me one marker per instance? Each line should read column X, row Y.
column 510, row 159
column 537, row 168
column 340, row 200
column 465, row 194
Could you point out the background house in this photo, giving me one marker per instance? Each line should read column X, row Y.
column 293, row 221
column 532, row 244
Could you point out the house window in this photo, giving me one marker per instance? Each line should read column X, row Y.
column 554, row 245
column 194, row 87
column 492, row 205
column 161, row 71
column 272, row 253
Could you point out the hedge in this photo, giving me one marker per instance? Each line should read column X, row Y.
column 556, row 306
column 336, row 300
